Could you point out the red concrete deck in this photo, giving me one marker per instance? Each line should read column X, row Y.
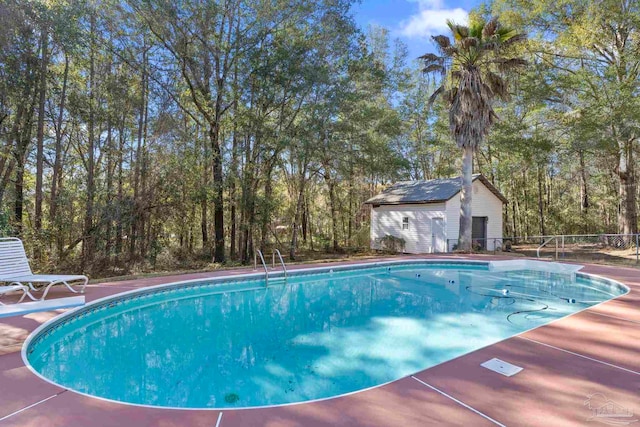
column 593, row 353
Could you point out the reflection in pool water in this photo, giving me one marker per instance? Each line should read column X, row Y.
column 314, row 337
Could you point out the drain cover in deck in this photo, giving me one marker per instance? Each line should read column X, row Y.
column 501, row 367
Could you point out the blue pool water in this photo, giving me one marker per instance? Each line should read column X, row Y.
column 240, row 344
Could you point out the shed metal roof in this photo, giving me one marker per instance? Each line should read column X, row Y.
column 427, row 191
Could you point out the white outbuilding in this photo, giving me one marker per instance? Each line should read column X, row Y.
column 426, row 215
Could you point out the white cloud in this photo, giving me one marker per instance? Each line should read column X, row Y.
column 429, row 4
column 431, row 19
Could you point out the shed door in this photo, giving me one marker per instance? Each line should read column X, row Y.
column 438, row 235
column 479, row 231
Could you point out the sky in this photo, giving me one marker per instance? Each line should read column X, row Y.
column 413, row 21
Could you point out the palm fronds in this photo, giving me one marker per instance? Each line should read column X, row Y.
column 472, row 65
column 435, row 95
column 496, row 85
column 476, row 27
column 435, row 68
column 468, row 42
column 459, row 31
column 443, row 42
column 431, row 58
column 490, row 28
column 506, row 65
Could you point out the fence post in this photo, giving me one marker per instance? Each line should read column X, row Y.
column 563, row 255
column 556, row 239
column 637, row 247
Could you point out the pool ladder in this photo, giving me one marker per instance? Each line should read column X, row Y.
column 264, row 264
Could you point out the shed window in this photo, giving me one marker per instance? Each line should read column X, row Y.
column 405, row 223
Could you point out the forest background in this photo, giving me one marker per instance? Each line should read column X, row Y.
column 147, row 135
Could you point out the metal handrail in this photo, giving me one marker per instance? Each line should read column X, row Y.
column 284, row 267
column 264, row 264
column 545, row 244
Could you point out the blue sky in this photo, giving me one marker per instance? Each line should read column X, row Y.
column 413, row 21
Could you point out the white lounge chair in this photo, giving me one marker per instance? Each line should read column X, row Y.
column 15, row 270
column 15, row 288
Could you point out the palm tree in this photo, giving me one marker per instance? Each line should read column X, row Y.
column 472, row 70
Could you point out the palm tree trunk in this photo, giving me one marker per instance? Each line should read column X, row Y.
column 465, row 199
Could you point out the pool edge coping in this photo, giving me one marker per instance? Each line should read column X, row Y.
column 330, row 268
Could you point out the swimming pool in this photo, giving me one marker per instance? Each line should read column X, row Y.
column 234, row 343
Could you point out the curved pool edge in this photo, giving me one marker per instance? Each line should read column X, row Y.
column 298, row 272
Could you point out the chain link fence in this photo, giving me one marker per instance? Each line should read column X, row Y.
column 623, row 249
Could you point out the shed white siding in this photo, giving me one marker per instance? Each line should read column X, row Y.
column 483, row 203
column 387, row 220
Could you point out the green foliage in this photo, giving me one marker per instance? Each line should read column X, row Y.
column 167, row 125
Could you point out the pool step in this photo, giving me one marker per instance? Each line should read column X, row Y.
column 277, row 280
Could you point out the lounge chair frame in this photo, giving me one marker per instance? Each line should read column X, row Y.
column 15, row 270
column 15, row 288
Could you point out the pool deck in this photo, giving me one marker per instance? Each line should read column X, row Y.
column 594, row 353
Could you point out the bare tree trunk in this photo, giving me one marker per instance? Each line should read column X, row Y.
column 20, row 157
column 247, row 201
column 119, row 219
column 298, row 213
column 204, row 198
column 466, row 194
column 627, row 209
column 305, row 220
column 543, row 231
column 6, row 177
column 12, row 149
column 109, row 208
column 584, row 193
column 233, row 196
column 19, row 193
column 266, row 208
column 333, row 208
column 57, row 161
column 218, row 200
column 233, row 192
column 247, row 230
column 492, row 177
column 22, row 139
column 514, row 205
column 87, row 246
column 584, row 189
column 350, row 212
column 44, row 47
column 145, row 213
column 191, row 232
column 309, row 220
column 135, row 217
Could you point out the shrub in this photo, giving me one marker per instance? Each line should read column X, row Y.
column 391, row 243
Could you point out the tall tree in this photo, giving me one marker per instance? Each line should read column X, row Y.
column 471, row 70
column 593, row 49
